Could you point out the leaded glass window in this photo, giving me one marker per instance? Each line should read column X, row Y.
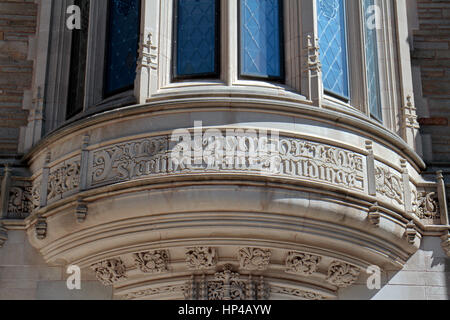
column 261, row 39
column 372, row 70
column 78, row 56
column 333, row 47
column 122, row 45
column 197, row 39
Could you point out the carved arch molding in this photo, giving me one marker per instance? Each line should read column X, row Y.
column 206, row 276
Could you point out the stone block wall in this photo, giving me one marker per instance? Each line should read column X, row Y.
column 17, row 24
column 431, row 59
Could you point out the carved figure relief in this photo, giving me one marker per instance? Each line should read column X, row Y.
column 254, row 259
column 201, row 258
column 342, row 274
column 302, row 263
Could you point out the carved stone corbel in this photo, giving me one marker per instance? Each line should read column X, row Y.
column 374, row 215
column 411, row 232
column 81, row 211
column 41, row 228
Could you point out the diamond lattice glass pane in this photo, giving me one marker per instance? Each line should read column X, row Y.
column 196, row 37
column 333, row 46
column 373, row 76
column 122, row 45
column 260, row 38
column 78, row 56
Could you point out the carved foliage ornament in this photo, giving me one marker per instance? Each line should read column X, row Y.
column 110, row 271
column 64, row 179
column 342, row 274
column 253, row 259
column 201, row 258
column 152, row 261
column 425, row 205
column 389, row 185
column 302, row 263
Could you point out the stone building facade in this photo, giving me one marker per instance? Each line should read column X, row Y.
column 275, row 149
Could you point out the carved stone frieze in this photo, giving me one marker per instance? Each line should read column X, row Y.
column 292, row 158
column 388, row 184
column 201, row 258
column 63, row 179
column 253, row 259
column 302, row 263
column 128, row 161
column 110, row 271
column 342, row 274
column 152, row 261
column 425, row 205
column 157, row 291
column 302, row 294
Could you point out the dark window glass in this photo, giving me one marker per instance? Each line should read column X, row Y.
column 372, row 71
column 333, row 47
column 197, row 38
column 75, row 101
column 261, row 49
column 122, row 45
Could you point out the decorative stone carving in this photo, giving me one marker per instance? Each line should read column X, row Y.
column 110, row 271
column 302, row 263
column 389, row 185
column 410, row 114
column 253, row 259
column 201, row 258
column 226, row 285
column 342, row 274
column 148, row 54
column 64, row 179
column 411, row 232
column 152, row 261
column 425, row 205
column 307, row 295
column 41, row 228
column 20, row 203
column 313, row 56
column 158, row 291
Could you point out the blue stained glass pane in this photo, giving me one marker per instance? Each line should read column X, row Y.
column 333, row 46
column 373, row 76
column 261, row 51
column 196, row 37
column 122, row 45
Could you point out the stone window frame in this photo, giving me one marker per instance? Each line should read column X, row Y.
column 58, row 60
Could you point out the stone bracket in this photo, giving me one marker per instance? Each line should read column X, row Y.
column 41, row 228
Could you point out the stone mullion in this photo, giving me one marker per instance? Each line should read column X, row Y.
column 146, row 82
column 311, row 79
